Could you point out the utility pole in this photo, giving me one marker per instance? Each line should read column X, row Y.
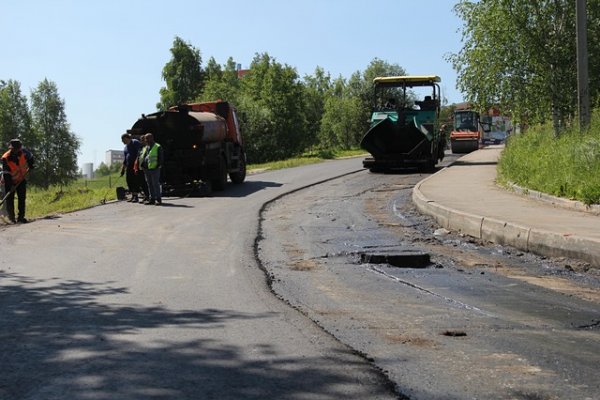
column 583, row 84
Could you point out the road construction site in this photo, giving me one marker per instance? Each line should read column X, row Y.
column 322, row 282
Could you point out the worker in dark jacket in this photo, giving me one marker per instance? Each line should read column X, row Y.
column 16, row 163
column 139, row 171
column 133, row 177
column 152, row 161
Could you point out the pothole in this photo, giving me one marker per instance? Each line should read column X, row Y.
column 397, row 258
column 453, row 333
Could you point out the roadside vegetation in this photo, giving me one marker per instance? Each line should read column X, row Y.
column 566, row 166
column 520, row 57
column 80, row 194
column 84, row 193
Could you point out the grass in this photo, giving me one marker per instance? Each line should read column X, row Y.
column 81, row 194
column 567, row 166
column 85, row 193
column 307, row 158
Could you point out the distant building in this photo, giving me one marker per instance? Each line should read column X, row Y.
column 241, row 72
column 113, row 156
column 88, row 170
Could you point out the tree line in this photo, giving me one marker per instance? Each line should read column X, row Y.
column 42, row 126
column 521, row 56
column 281, row 114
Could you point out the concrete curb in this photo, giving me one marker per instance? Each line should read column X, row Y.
column 525, row 238
column 556, row 201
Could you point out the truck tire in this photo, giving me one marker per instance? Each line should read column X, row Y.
column 376, row 170
column 239, row 176
column 218, row 184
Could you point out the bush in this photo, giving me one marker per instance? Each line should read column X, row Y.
column 566, row 166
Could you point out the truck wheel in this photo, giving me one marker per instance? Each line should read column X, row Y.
column 218, row 184
column 376, row 170
column 239, row 176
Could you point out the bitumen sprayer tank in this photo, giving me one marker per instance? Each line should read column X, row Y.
column 202, row 144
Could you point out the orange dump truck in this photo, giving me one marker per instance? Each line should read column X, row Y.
column 202, row 144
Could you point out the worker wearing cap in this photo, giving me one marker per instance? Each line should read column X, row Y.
column 16, row 162
column 130, row 155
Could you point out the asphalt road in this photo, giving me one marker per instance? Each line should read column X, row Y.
column 479, row 322
column 126, row 301
column 259, row 292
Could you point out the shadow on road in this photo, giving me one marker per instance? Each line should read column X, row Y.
column 245, row 189
column 475, row 163
column 409, row 171
column 58, row 340
column 173, row 205
column 231, row 190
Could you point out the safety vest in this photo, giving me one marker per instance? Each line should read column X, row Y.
column 140, row 160
column 152, row 154
column 16, row 171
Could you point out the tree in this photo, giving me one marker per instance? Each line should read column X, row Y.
column 183, row 75
column 342, row 126
column 56, row 155
column 317, row 88
column 272, row 107
column 520, row 56
column 347, row 109
column 15, row 117
column 104, row 170
column 361, row 84
column 221, row 83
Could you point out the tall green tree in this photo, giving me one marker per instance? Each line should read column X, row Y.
column 317, row 89
column 348, row 106
column 221, row 82
column 343, row 122
column 182, row 74
column 360, row 84
column 15, row 117
column 520, row 55
column 56, row 154
column 272, row 107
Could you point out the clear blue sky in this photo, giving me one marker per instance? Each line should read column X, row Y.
column 106, row 57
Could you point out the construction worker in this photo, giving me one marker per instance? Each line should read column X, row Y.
column 139, row 171
column 16, row 163
column 152, row 161
column 130, row 155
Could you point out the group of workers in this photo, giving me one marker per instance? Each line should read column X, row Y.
column 142, row 162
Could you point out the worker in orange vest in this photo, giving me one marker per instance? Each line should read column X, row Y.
column 16, row 163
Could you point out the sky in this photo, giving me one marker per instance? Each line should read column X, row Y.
column 106, row 57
